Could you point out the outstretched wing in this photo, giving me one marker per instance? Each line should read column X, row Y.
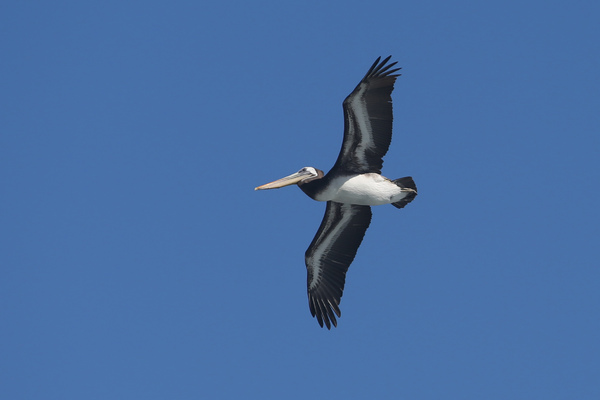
column 368, row 121
column 329, row 256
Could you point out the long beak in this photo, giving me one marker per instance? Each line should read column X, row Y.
column 288, row 180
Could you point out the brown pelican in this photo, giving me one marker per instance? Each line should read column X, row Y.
column 353, row 185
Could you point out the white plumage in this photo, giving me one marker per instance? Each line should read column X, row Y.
column 364, row 189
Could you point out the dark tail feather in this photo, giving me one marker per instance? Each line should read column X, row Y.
column 406, row 183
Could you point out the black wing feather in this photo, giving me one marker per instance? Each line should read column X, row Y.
column 330, row 254
column 368, row 121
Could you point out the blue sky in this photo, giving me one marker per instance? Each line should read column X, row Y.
column 137, row 261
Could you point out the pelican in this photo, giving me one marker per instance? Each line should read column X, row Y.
column 353, row 185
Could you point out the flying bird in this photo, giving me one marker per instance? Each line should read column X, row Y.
column 353, row 185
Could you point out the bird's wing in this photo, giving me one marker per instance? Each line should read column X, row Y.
column 368, row 121
column 329, row 256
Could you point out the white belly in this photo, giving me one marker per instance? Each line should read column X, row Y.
column 365, row 189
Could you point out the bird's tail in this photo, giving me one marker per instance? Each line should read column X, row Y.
column 408, row 184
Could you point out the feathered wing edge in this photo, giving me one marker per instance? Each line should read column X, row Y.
column 330, row 254
column 368, row 120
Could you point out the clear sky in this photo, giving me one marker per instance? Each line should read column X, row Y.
column 137, row 261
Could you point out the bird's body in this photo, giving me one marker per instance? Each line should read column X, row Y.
column 353, row 185
column 368, row 189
